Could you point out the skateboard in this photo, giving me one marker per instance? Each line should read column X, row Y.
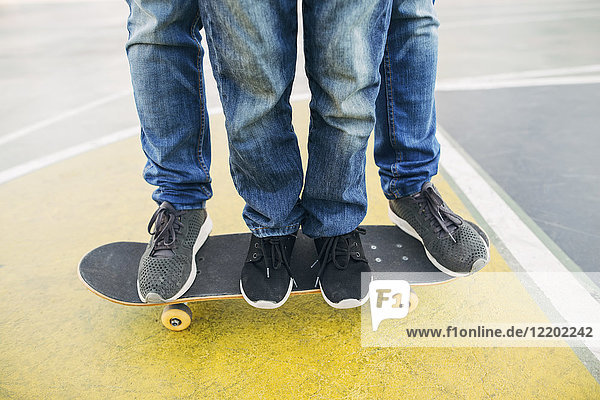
column 110, row 271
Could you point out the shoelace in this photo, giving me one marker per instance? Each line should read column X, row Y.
column 330, row 252
column 434, row 208
column 166, row 226
column 275, row 247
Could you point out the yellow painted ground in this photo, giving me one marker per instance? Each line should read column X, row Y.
column 57, row 340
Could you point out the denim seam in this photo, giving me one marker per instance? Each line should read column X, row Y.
column 202, row 105
column 390, row 115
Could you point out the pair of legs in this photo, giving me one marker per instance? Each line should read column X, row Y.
column 253, row 53
column 345, row 48
column 165, row 53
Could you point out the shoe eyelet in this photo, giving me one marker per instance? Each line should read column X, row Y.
column 254, row 255
column 256, row 245
column 357, row 254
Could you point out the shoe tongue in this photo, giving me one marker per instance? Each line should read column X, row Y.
column 165, row 253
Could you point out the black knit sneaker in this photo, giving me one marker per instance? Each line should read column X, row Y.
column 168, row 266
column 342, row 261
column 266, row 280
column 455, row 246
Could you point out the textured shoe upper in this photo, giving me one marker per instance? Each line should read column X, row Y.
column 456, row 244
column 165, row 266
column 266, row 272
column 342, row 261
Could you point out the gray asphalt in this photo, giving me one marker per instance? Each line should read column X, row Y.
column 541, row 145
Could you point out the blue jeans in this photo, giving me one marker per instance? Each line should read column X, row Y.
column 165, row 58
column 253, row 53
column 406, row 149
column 254, row 67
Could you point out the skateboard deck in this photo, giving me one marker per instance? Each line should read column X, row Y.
column 110, row 271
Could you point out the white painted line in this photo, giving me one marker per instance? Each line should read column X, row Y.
column 300, row 96
column 464, row 85
column 33, row 165
column 20, row 170
column 463, row 15
column 510, row 10
column 214, row 110
column 572, row 301
column 536, row 73
column 517, row 20
column 62, row 116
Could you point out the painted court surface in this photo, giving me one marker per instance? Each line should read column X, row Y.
column 70, row 180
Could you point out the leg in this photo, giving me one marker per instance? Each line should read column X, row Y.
column 344, row 44
column 406, row 149
column 253, row 51
column 165, row 58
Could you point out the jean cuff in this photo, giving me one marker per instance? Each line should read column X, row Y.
column 184, row 207
column 406, row 190
column 262, row 232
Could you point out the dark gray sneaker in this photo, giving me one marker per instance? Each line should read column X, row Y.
column 455, row 246
column 168, row 266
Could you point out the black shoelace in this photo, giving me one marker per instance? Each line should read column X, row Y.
column 274, row 255
column 167, row 224
column 331, row 250
column 439, row 215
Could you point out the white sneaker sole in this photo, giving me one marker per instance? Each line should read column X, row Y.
column 346, row 303
column 264, row 304
column 407, row 228
column 202, row 236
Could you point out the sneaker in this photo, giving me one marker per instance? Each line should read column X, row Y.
column 266, row 280
column 168, row 266
column 342, row 262
column 455, row 246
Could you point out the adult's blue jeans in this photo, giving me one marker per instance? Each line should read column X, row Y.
column 165, row 59
column 254, row 73
column 406, row 149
